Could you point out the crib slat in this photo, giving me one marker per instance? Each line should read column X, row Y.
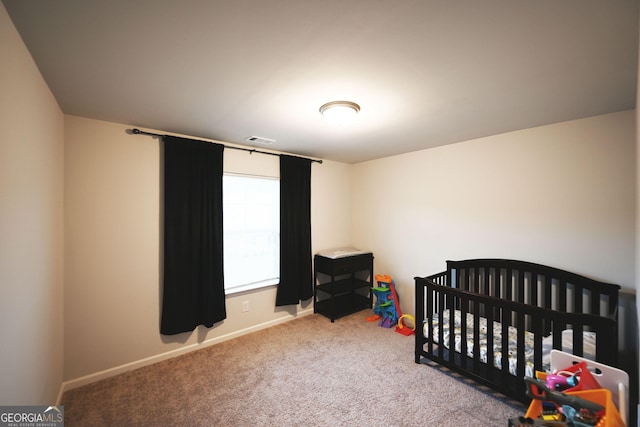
column 520, row 322
column 547, row 290
column 594, row 301
column 487, row 284
column 533, row 289
column 490, row 309
column 561, row 292
column 476, row 335
column 445, row 304
column 463, row 330
column 521, row 288
column 505, row 321
column 537, row 330
column 578, row 348
column 496, row 283
column 578, row 294
column 429, row 318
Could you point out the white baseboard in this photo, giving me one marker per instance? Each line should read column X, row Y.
column 111, row 372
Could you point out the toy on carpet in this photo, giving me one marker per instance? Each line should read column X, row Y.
column 404, row 329
column 387, row 307
column 384, row 308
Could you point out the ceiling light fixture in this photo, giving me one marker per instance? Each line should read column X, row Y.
column 339, row 112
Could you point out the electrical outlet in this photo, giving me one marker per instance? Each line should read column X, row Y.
column 245, row 306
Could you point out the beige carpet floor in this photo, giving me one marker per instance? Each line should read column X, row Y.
column 307, row 372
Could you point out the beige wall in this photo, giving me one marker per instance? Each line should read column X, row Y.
column 561, row 195
column 112, row 246
column 31, row 228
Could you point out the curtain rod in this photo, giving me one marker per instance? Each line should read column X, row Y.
column 137, row 131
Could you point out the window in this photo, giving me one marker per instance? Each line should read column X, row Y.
column 251, row 232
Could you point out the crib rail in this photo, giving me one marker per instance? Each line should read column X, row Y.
column 535, row 284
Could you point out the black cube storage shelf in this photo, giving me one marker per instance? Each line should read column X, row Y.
column 342, row 285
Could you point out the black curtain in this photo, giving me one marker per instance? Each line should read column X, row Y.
column 193, row 289
column 296, row 281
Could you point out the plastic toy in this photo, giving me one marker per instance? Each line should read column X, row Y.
column 537, row 389
column 404, row 329
column 562, row 380
column 387, row 307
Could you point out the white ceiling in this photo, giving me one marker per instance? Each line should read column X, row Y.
column 425, row 72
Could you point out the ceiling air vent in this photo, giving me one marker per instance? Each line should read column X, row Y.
column 260, row 140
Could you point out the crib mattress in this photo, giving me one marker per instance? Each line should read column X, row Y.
column 567, row 342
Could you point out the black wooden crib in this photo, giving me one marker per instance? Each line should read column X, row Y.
column 496, row 320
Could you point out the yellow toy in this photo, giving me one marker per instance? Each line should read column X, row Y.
column 404, row 329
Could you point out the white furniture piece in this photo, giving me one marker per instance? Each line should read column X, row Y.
column 613, row 379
